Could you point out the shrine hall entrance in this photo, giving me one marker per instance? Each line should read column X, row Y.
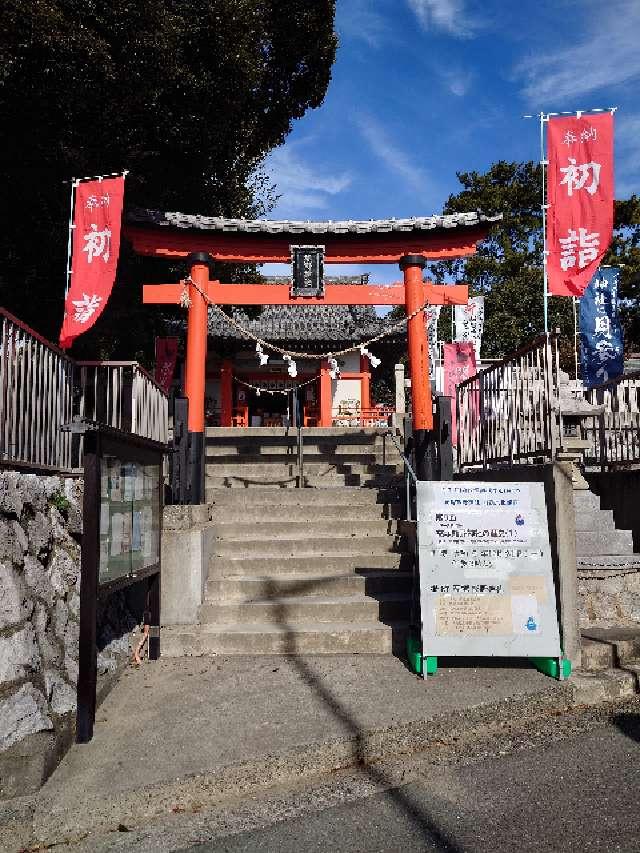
column 307, row 246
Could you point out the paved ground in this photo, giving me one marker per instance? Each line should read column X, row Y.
column 186, row 735
column 581, row 794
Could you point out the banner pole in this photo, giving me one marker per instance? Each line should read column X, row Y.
column 543, row 163
column 74, row 184
column 575, row 338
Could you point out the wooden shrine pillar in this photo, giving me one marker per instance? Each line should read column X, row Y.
column 196, row 357
column 326, row 398
column 418, row 348
column 226, row 393
column 365, row 383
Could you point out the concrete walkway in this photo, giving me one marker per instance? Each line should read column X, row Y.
column 190, row 730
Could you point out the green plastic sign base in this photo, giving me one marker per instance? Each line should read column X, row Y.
column 551, row 666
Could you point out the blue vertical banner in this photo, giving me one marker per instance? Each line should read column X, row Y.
column 601, row 342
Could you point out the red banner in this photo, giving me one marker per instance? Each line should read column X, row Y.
column 96, row 245
column 166, row 355
column 459, row 362
column 580, row 196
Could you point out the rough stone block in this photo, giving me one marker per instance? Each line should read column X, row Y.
column 14, row 606
column 61, row 695
column 37, row 579
column 23, row 713
column 19, row 655
column 38, row 534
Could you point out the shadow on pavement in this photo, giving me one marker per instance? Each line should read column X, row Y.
column 629, row 725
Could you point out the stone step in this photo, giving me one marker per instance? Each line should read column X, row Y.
column 274, row 528
column 590, row 520
column 270, row 480
column 306, row 513
column 617, row 646
column 605, row 563
column 343, row 434
column 259, row 470
column 303, row 639
column 584, row 499
column 290, row 609
column 596, row 543
column 350, row 497
column 274, row 452
column 309, row 565
column 250, row 588
column 317, row 546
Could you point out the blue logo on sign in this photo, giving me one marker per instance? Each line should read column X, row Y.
column 519, row 520
column 531, row 624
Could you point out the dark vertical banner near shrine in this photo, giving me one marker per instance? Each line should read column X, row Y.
column 96, row 246
column 166, row 356
column 601, row 340
column 580, row 194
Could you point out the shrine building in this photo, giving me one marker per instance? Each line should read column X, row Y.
column 214, row 375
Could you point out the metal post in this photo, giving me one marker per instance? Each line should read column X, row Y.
column 544, row 164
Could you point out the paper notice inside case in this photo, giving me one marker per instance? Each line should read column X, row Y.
column 524, row 612
column 534, row 585
column 474, row 615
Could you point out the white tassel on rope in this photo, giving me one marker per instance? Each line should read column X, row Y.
column 262, row 355
column 292, row 367
column 373, row 360
column 334, row 367
column 185, row 299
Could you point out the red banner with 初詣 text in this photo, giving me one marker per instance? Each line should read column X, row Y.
column 166, row 355
column 96, row 246
column 580, row 193
column 459, row 363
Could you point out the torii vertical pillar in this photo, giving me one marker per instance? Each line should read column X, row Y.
column 418, row 346
column 194, row 386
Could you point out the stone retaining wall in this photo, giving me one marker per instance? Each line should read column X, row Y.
column 609, row 597
column 40, row 531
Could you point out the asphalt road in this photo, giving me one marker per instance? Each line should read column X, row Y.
column 581, row 794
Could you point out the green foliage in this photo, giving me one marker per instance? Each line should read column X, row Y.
column 59, row 501
column 507, row 268
column 189, row 95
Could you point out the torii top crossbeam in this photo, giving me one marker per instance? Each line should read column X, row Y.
column 408, row 242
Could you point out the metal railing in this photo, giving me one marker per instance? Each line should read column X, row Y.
column 41, row 388
column 36, row 397
column 409, row 473
column 614, row 435
column 509, row 412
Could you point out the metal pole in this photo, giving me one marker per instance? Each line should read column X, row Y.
column 544, row 164
column 74, row 184
column 575, row 340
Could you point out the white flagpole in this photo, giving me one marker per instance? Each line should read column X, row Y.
column 74, row 184
column 575, row 337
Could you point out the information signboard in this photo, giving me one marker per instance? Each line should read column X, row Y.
column 486, row 579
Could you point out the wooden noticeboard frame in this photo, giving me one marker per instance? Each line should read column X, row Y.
column 101, row 442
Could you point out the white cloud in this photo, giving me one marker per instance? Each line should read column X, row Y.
column 448, row 15
column 391, row 154
column 627, row 154
column 301, row 187
column 457, row 81
column 605, row 56
column 358, row 20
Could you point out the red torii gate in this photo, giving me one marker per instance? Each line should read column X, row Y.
column 408, row 242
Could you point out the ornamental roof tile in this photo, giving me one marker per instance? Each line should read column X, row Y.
column 139, row 216
column 328, row 323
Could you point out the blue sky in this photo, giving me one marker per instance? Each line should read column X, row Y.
column 423, row 88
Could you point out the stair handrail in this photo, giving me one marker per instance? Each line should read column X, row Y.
column 408, row 471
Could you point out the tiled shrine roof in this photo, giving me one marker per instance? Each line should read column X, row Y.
column 328, row 323
column 288, row 226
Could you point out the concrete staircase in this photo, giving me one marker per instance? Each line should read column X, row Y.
column 302, row 571
column 613, row 654
column 599, row 543
column 266, row 457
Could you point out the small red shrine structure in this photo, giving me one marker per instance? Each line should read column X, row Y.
column 407, row 242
